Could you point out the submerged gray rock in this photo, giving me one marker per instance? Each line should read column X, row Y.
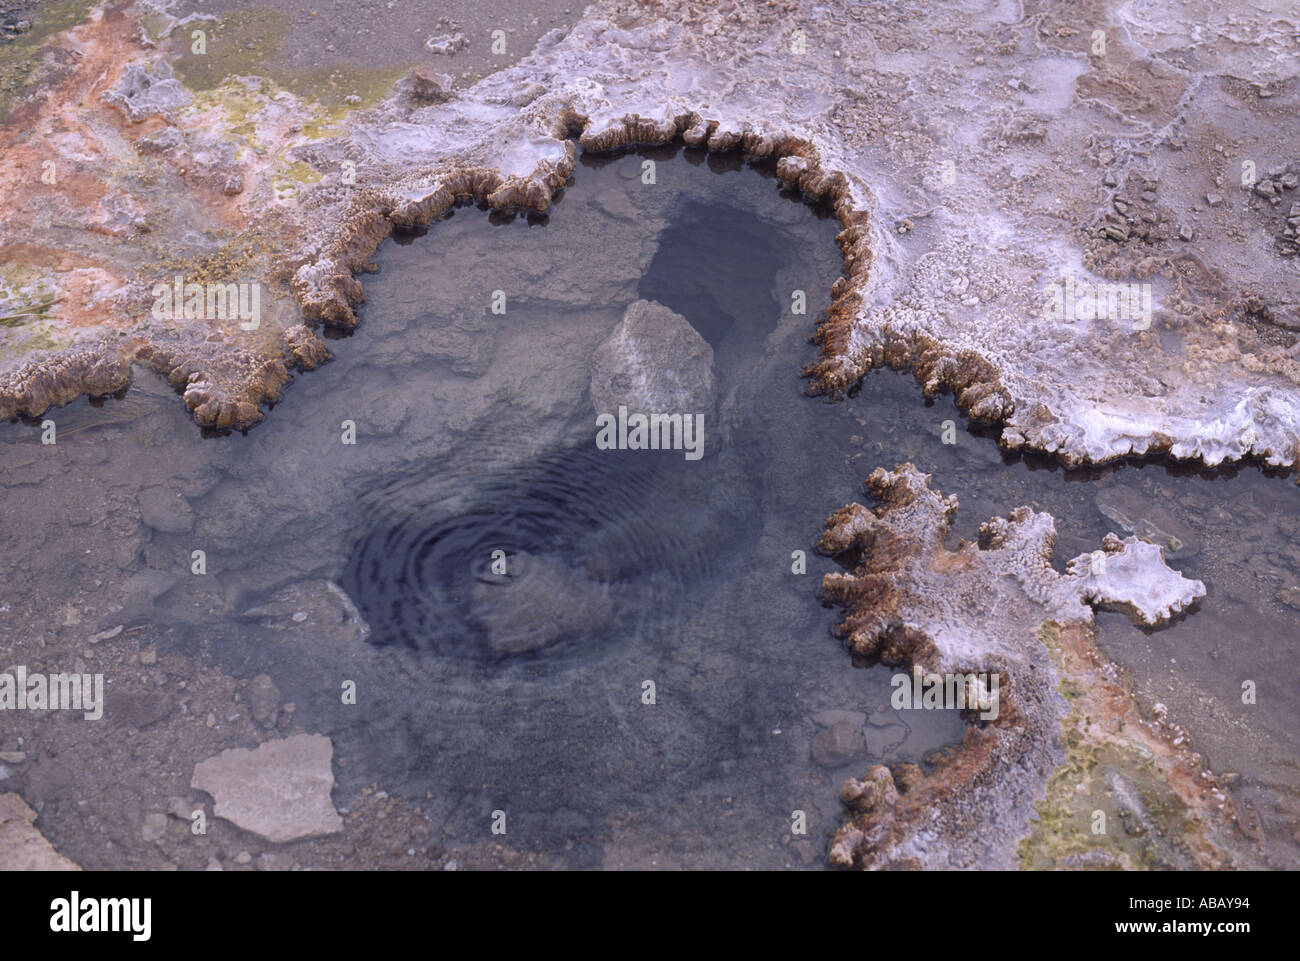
column 839, row 744
column 1149, row 522
column 538, row 602
column 653, row 361
column 165, row 510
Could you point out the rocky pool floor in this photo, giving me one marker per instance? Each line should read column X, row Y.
column 474, row 429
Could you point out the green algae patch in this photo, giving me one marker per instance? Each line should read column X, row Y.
column 344, row 88
column 287, row 180
column 27, row 295
column 250, row 43
column 1107, row 806
column 157, row 26
column 240, row 101
column 242, row 43
column 20, row 342
column 1081, row 824
column 20, row 58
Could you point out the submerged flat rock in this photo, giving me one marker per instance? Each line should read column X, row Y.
column 1137, row 515
column 280, row 791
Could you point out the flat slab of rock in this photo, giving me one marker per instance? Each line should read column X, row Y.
column 280, row 792
column 22, row 847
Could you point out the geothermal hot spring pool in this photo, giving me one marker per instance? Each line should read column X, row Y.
column 521, row 686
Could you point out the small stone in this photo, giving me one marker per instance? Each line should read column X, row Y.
column 446, row 44
column 107, row 635
column 1290, row 596
column 13, row 757
column 149, row 655
column 148, row 585
column 1185, row 233
column 181, row 809
column 136, row 709
column 146, row 90
column 653, row 361
column 837, row 745
column 1213, row 199
column 243, row 857
column 154, row 827
column 429, row 86
column 164, row 141
column 616, row 203
column 264, row 700
column 234, row 185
